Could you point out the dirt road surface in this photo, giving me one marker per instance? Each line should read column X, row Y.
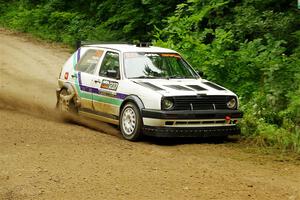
column 44, row 157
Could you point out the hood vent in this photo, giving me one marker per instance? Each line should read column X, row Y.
column 213, row 85
column 197, row 87
column 150, row 85
column 178, row 87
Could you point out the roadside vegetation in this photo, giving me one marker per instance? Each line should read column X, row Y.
column 249, row 46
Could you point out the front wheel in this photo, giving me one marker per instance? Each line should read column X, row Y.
column 130, row 122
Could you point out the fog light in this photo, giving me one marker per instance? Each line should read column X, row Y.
column 228, row 119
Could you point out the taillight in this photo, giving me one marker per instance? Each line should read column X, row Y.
column 66, row 75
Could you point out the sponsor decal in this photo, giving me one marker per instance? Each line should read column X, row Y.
column 109, row 85
column 108, row 93
column 98, row 53
column 87, row 92
column 152, row 54
column 170, row 55
column 135, row 55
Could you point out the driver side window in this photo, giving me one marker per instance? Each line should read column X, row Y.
column 110, row 65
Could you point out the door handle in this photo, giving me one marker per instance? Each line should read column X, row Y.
column 97, row 81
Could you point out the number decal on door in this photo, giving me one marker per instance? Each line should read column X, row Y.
column 109, row 85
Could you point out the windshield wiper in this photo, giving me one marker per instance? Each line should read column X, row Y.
column 160, row 77
column 175, row 76
column 179, row 77
column 150, row 77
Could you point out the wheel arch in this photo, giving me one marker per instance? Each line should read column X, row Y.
column 71, row 91
column 138, row 130
column 133, row 99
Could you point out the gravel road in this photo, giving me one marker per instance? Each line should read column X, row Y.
column 45, row 157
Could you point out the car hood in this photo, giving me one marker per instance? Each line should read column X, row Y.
column 186, row 87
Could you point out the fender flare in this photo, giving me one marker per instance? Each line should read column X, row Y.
column 134, row 99
column 71, row 91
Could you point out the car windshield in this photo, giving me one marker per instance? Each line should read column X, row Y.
column 157, row 65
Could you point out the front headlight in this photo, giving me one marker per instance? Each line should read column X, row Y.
column 231, row 104
column 167, row 103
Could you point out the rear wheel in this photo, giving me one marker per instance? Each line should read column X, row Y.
column 131, row 122
column 65, row 106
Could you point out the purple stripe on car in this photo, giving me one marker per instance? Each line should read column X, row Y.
column 84, row 88
column 79, row 78
column 94, row 90
column 78, row 55
column 97, row 91
column 121, row 96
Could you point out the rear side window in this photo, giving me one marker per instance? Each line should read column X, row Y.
column 88, row 62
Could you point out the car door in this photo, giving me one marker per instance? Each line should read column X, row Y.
column 107, row 102
column 85, row 74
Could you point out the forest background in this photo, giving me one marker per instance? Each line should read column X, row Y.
column 249, row 46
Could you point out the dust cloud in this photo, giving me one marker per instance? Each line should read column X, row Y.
column 28, row 81
column 12, row 102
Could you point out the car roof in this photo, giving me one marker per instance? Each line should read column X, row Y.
column 133, row 48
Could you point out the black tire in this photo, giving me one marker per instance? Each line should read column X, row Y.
column 66, row 107
column 130, row 115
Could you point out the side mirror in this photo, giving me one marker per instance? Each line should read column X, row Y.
column 111, row 73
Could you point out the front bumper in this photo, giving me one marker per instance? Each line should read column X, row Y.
column 191, row 114
column 191, row 131
column 199, row 123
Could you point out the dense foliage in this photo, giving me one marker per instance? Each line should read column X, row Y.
column 249, row 46
column 252, row 47
column 65, row 21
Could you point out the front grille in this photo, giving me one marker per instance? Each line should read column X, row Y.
column 212, row 102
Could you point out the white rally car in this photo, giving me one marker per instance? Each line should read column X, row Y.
column 145, row 90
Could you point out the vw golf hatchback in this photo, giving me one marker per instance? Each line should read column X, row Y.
column 145, row 90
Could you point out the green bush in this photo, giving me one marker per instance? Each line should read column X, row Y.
column 252, row 49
